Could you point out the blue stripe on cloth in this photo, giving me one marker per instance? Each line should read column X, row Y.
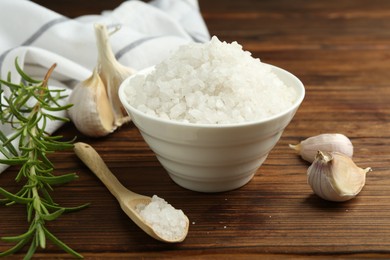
column 133, row 45
column 41, row 30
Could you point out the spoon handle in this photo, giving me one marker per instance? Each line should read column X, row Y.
column 96, row 164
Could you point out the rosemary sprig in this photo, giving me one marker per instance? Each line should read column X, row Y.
column 27, row 109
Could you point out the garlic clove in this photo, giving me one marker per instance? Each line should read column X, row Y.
column 91, row 112
column 112, row 73
column 334, row 176
column 309, row 147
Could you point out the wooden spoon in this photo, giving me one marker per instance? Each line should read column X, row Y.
column 127, row 199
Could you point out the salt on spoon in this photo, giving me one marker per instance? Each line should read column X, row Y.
column 153, row 215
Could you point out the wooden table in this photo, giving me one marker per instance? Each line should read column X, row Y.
column 341, row 52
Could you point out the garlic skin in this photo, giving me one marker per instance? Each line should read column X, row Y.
column 309, row 147
column 91, row 111
column 112, row 73
column 334, row 176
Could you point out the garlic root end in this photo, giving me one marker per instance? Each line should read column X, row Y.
column 296, row 147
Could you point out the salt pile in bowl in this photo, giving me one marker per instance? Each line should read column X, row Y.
column 211, row 83
column 212, row 113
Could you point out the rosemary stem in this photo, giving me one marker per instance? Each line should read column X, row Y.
column 29, row 123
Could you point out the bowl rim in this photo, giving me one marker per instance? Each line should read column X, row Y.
column 300, row 96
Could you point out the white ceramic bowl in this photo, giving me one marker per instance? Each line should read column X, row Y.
column 213, row 158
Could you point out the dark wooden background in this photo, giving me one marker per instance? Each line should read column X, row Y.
column 341, row 52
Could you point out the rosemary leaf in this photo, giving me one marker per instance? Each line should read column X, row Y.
column 15, row 248
column 54, row 215
column 13, row 161
column 21, row 237
column 46, row 194
column 60, row 108
column 7, row 142
column 9, row 84
column 41, row 236
column 55, row 180
column 31, row 250
column 14, row 197
column 61, row 244
column 24, row 75
column 67, row 209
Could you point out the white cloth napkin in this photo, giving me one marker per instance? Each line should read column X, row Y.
column 40, row 37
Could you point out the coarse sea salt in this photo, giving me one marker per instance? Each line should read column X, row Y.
column 166, row 221
column 210, row 83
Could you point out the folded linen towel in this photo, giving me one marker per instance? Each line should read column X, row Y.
column 149, row 33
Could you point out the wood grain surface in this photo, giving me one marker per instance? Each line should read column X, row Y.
column 341, row 52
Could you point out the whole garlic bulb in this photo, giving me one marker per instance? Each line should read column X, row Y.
column 309, row 147
column 97, row 110
column 334, row 176
column 91, row 112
